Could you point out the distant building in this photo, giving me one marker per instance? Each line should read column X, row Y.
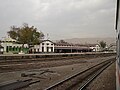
column 12, row 46
column 45, row 46
column 1, row 49
column 94, row 47
column 71, row 48
column 112, row 47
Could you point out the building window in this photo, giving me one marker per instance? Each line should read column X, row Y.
column 47, row 49
column 47, row 43
column 7, row 48
column 17, row 48
column 51, row 44
column 14, row 48
column 51, row 49
column 34, row 50
column 10, row 48
column 42, row 49
column 42, row 43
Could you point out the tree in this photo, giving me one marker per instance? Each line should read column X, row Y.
column 102, row 45
column 26, row 34
column 63, row 42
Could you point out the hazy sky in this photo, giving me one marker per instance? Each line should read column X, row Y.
column 60, row 18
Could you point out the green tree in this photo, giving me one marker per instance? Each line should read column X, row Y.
column 26, row 34
column 102, row 45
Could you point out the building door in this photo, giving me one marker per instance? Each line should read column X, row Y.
column 7, row 48
column 47, row 49
column 51, row 49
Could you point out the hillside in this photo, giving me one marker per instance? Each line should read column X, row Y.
column 90, row 40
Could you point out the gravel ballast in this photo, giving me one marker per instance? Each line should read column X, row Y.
column 106, row 80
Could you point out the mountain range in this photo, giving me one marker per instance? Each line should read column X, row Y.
column 108, row 40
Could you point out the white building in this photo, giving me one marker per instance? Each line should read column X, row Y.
column 1, row 49
column 45, row 46
column 95, row 47
column 12, row 46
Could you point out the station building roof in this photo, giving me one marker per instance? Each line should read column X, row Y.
column 8, row 39
column 45, row 41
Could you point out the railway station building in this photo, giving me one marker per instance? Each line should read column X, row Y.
column 45, row 46
column 11, row 46
column 71, row 48
column 1, row 49
column 94, row 47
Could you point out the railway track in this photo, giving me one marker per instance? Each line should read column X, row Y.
column 35, row 64
column 39, row 58
column 77, row 81
column 80, row 81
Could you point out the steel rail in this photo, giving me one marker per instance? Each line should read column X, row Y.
column 85, row 84
column 77, row 74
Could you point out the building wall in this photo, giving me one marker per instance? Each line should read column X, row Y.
column 95, row 48
column 11, row 47
column 45, row 46
column 48, row 46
